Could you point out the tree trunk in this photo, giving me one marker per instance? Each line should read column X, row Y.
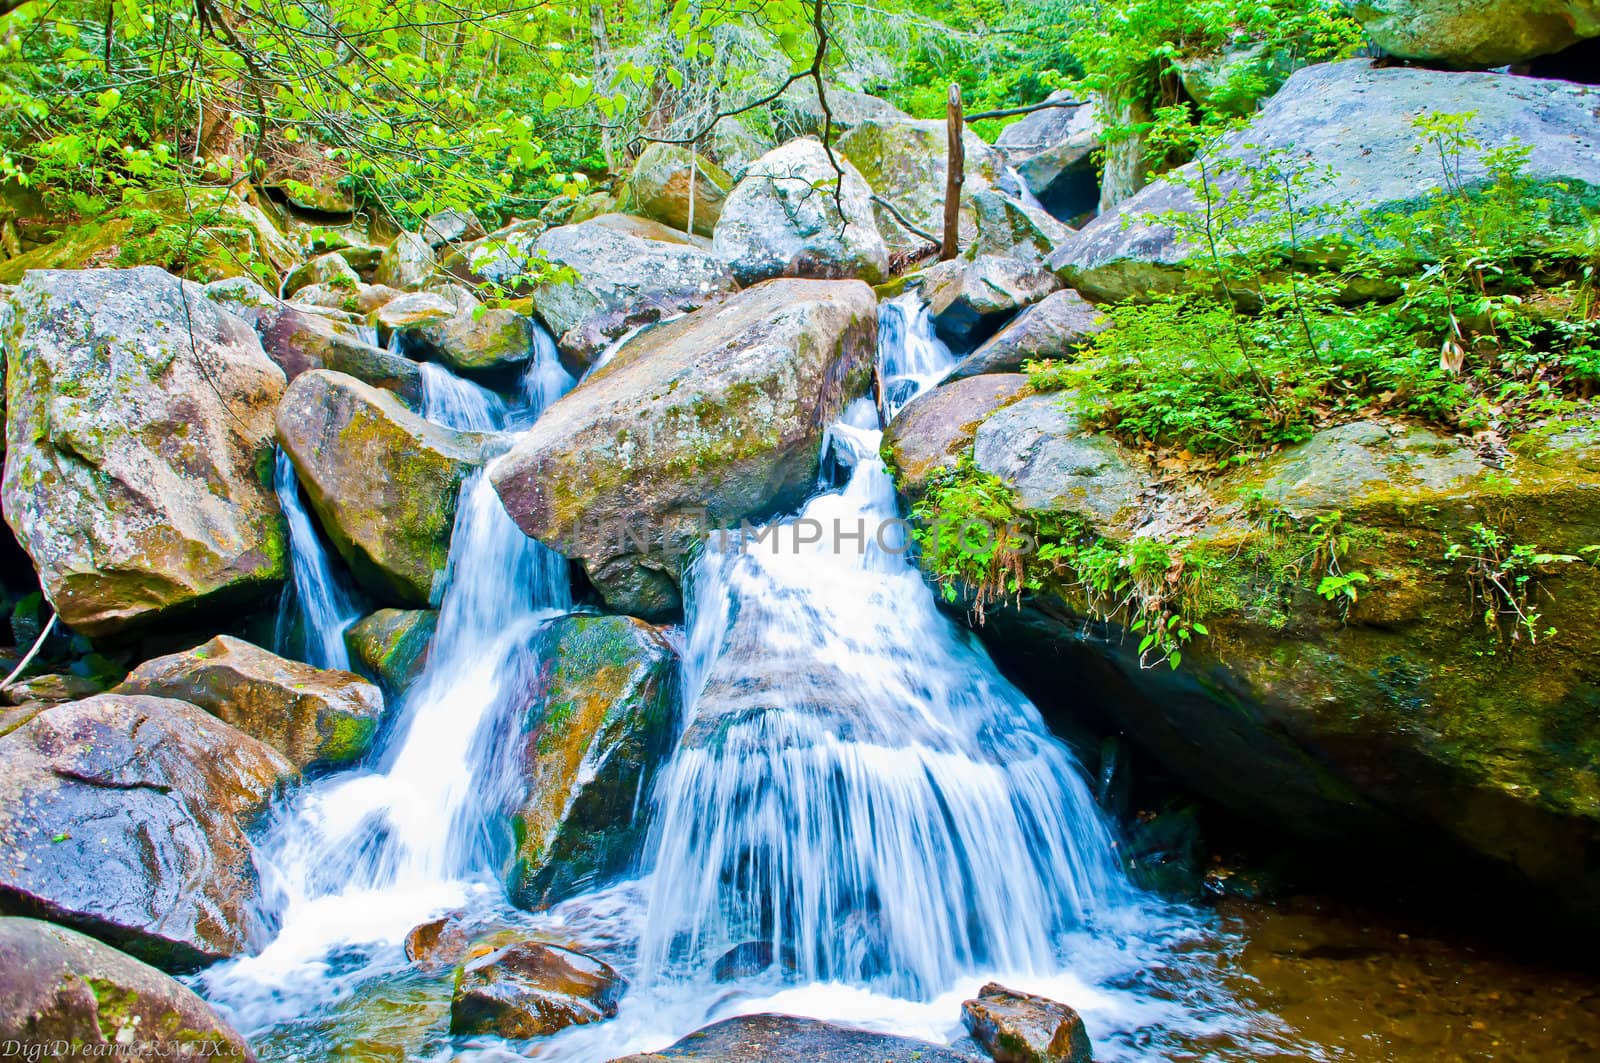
column 602, row 75
column 955, row 174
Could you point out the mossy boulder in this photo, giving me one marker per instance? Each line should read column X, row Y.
column 598, row 726
column 391, row 645
column 1476, row 34
column 531, row 989
column 330, row 270
column 313, row 716
column 623, row 279
column 801, row 211
column 482, row 341
column 138, row 456
column 407, row 262
column 1420, row 715
column 204, row 234
column 382, row 481
column 717, row 416
column 60, row 987
column 664, row 177
column 124, row 817
column 1350, row 127
column 905, row 161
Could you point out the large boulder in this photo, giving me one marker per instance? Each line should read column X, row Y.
column 59, row 987
column 1053, row 153
column 531, row 989
column 330, row 270
column 1350, row 125
column 801, row 210
column 1018, row 1027
column 391, row 645
column 298, row 339
column 406, row 263
column 482, row 341
column 799, row 111
column 310, row 715
column 598, row 727
column 623, row 280
column 451, row 227
column 124, row 816
column 970, row 298
column 663, row 178
column 138, row 447
column 382, row 480
column 905, row 161
column 763, row 1038
column 936, row 429
column 717, row 416
column 1476, row 34
column 1055, row 327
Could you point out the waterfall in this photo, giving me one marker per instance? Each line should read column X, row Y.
column 856, row 785
column 456, row 403
column 316, row 609
column 1025, row 194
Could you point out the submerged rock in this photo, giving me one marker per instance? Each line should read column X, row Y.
column 382, row 480
column 391, row 645
column 1351, row 127
column 531, row 989
column 599, row 727
column 800, row 211
column 1055, row 327
column 661, row 184
column 123, row 816
column 60, row 987
column 1476, row 34
column 624, row 279
column 1022, row 1028
column 310, row 715
column 766, row 1038
column 715, row 416
column 138, row 456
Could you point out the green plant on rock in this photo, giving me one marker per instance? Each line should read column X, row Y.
column 1330, row 544
column 1503, row 576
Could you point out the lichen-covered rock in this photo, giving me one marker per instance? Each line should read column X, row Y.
column 648, row 229
column 801, row 212
column 411, row 311
column 391, row 645
column 799, row 111
column 970, row 299
column 451, row 227
column 1234, row 78
column 531, row 989
column 59, row 987
column 1476, row 34
column 382, row 480
column 1010, row 228
column 310, row 715
column 407, row 263
column 718, row 413
column 328, row 269
column 297, row 340
column 138, row 432
column 766, row 1038
column 1055, row 327
column 623, row 280
column 734, row 145
column 484, row 340
column 1351, row 125
column 1018, row 1027
column 661, row 183
column 936, row 428
column 124, row 817
column 596, row 730
column 905, row 161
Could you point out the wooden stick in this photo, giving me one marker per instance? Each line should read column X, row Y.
column 955, row 174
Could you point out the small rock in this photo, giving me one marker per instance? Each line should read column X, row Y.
column 329, row 270
column 531, row 989
column 391, row 645
column 451, row 227
column 1021, row 1028
column 437, row 943
column 412, row 311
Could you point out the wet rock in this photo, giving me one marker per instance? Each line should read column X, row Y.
column 406, row 264
column 1055, row 327
column 391, row 645
column 382, row 481
column 60, row 987
column 123, row 816
column 598, row 728
column 623, row 280
column 1022, row 1028
column 437, row 943
column 904, row 161
column 49, row 689
column 661, row 185
column 718, row 413
column 1478, row 34
column 936, row 429
column 969, row 300
column 1353, row 122
column 138, row 447
column 451, row 227
column 413, row 311
column 329, row 270
column 310, row 715
column 765, row 1038
column 750, row 959
column 794, row 214
column 532, row 990
column 481, row 341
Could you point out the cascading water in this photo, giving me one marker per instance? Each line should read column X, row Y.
column 317, row 608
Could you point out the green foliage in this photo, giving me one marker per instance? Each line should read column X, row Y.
column 1504, row 578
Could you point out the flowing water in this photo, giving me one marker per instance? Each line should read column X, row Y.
column 855, row 791
column 317, row 607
